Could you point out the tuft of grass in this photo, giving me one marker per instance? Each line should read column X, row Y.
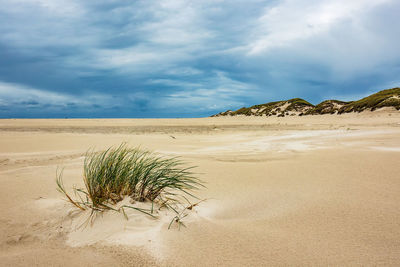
column 119, row 172
column 178, row 218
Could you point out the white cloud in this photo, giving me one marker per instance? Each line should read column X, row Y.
column 220, row 92
column 184, row 71
column 348, row 40
column 11, row 94
column 176, row 23
column 33, row 24
column 293, row 20
column 175, row 83
column 174, row 33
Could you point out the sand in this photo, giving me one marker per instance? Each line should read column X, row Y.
column 315, row 190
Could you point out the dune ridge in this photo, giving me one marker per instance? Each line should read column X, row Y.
column 389, row 98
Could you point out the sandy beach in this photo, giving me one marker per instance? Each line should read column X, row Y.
column 292, row 191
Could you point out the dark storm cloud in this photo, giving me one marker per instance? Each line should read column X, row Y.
column 190, row 58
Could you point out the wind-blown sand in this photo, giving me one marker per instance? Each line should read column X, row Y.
column 316, row 190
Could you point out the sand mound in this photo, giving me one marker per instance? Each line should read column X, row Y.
column 113, row 228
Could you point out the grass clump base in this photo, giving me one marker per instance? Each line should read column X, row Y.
column 123, row 172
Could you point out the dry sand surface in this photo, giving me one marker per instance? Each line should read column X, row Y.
column 316, row 190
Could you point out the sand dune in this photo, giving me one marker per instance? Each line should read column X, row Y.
column 316, row 190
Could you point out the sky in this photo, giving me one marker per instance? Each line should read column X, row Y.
column 177, row 58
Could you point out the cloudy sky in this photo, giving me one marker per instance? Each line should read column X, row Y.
column 95, row 58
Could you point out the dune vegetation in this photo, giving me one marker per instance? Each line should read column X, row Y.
column 327, row 107
column 384, row 98
column 271, row 108
column 300, row 107
column 121, row 172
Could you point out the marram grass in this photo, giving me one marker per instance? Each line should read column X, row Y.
column 119, row 172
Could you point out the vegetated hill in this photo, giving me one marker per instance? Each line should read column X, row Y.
column 327, row 107
column 385, row 98
column 300, row 107
column 291, row 107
